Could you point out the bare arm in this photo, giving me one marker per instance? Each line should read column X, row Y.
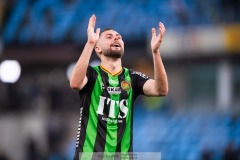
column 159, row 85
column 78, row 77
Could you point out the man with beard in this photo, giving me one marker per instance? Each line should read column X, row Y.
column 108, row 92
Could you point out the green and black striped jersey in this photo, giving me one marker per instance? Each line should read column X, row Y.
column 106, row 110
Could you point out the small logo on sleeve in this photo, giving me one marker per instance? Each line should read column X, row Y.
column 141, row 74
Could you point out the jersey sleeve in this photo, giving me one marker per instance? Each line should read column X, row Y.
column 91, row 78
column 139, row 80
column 89, row 73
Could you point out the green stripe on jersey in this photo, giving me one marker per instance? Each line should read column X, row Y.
column 112, row 127
column 125, row 144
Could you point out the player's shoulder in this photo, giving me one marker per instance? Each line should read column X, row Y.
column 92, row 72
column 93, row 68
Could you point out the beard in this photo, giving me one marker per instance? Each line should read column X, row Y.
column 114, row 53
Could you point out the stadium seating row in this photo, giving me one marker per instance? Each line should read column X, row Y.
column 57, row 21
column 184, row 135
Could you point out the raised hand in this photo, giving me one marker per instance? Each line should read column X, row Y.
column 92, row 36
column 157, row 39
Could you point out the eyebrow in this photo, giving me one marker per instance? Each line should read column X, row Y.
column 112, row 34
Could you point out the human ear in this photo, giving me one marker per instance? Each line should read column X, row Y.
column 98, row 49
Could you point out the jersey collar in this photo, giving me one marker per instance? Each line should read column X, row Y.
column 112, row 74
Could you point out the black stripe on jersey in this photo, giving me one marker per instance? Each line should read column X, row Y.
column 101, row 133
column 85, row 101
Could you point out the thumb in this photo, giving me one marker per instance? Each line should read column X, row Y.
column 98, row 31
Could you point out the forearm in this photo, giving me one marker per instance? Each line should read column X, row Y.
column 79, row 71
column 160, row 76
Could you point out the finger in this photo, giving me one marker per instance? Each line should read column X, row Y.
column 98, row 31
column 92, row 21
column 161, row 29
column 163, row 26
column 153, row 32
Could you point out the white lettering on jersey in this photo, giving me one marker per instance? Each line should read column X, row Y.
column 114, row 82
column 122, row 105
column 123, row 108
column 101, row 105
column 140, row 74
column 103, row 87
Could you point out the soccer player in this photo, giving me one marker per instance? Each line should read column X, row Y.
column 108, row 92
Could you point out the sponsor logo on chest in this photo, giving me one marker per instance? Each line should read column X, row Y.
column 121, row 105
column 113, row 82
column 114, row 90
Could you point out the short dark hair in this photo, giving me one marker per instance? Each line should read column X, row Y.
column 105, row 29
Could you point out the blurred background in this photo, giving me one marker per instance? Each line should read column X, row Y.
column 41, row 39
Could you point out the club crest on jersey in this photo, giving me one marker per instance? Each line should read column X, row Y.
column 114, row 90
column 125, row 85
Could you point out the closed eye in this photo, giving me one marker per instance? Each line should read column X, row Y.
column 109, row 36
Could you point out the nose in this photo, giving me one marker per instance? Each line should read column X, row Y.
column 116, row 38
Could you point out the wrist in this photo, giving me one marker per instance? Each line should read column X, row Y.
column 90, row 44
column 156, row 51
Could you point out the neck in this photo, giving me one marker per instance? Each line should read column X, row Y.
column 112, row 65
